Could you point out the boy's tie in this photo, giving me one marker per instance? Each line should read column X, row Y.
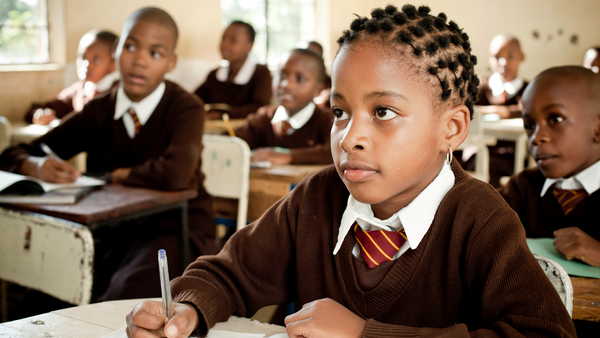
column 136, row 121
column 378, row 246
column 568, row 199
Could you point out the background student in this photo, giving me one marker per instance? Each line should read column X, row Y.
column 97, row 74
column 244, row 84
column 591, row 59
column 147, row 133
column 559, row 199
column 297, row 125
column 395, row 239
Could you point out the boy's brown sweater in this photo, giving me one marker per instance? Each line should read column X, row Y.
column 308, row 145
column 471, row 275
column 243, row 99
column 165, row 155
column 541, row 216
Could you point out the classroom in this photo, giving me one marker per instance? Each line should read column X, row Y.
column 299, row 168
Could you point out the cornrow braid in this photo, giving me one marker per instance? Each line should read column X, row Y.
column 441, row 48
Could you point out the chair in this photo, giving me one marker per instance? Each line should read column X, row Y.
column 226, row 164
column 47, row 254
column 560, row 279
column 5, row 133
column 477, row 144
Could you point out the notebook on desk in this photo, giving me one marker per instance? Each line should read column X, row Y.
column 19, row 189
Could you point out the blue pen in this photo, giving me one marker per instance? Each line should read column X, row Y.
column 165, row 286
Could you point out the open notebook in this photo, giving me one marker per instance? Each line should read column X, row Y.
column 122, row 333
column 19, row 189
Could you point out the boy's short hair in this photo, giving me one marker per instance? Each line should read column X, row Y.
column 320, row 64
column 154, row 15
column 440, row 51
column 507, row 37
column 248, row 27
column 107, row 37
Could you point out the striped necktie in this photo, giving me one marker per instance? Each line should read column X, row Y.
column 568, row 199
column 378, row 246
column 136, row 121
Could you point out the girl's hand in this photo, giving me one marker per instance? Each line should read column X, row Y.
column 324, row 318
column 574, row 243
column 271, row 155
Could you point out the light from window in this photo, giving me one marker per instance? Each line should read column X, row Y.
column 279, row 24
column 23, row 32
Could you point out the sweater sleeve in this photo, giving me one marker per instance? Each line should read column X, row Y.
column 261, row 94
column 321, row 152
column 253, row 131
column 254, row 269
column 175, row 167
column 202, row 91
column 510, row 296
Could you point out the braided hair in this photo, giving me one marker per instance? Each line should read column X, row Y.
column 441, row 49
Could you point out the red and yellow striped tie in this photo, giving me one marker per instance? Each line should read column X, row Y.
column 568, row 199
column 136, row 121
column 378, row 246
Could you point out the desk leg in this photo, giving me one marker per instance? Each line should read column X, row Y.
column 185, row 237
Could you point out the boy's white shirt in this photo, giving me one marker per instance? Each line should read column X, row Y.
column 298, row 120
column 588, row 179
column 511, row 88
column 415, row 218
column 143, row 109
column 243, row 76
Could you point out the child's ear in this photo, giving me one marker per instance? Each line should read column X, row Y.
column 457, row 123
column 318, row 89
column 597, row 130
column 172, row 63
column 113, row 52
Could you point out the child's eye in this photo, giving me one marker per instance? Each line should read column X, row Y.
column 156, row 55
column 339, row 114
column 301, row 79
column 383, row 113
column 555, row 118
column 97, row 61
column 528, row 125
column 130, row 47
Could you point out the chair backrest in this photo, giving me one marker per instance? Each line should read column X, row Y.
column 47, row 254
column 560, row 279
column 226, row 164
column 5, row 133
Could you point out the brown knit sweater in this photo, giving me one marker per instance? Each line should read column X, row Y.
column 308, row 145
column 471, row 275
column 243, row 99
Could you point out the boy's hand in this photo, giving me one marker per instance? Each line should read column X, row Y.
column 324, row 318
column 44, row 116
column 271, row 155
column 49, row 170
column 147, row 320
column 120, row 175
column 574, row 243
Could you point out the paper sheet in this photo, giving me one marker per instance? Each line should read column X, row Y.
column 122, row 333
column 545, row 247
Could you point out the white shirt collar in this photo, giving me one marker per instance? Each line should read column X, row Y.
column 143, row 109
column 298, row 120
column 588, row 179
column 243, row 76
column 415, row 218
column 511, row 87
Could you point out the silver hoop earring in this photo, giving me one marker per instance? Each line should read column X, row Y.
column 449, row 156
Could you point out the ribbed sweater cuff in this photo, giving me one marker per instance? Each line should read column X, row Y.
column 206, row 304
column 376, row 329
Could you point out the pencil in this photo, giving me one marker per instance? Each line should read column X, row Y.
column 225, row 117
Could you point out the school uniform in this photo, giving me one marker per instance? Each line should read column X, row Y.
column 249, row 90
column 531, row 195
column 306, row 133
column 73, row 98
column 469, row 271
column 163, row 155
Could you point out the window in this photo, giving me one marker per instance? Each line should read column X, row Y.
column 279, row 24
column 23, row 32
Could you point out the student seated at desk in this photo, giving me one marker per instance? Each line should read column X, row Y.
column 322, row 100
column 560, row 198
column 147, row 132
column 97, row 74
column 297, row 125
column 395, row 240
column 243, row 84
column 591, row 59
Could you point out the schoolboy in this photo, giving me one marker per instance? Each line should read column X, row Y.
column 465, row 269
column 296, row 126
column 146, row 133
column 96, row 71
column 243, row 84
column 591, row 59
column 559, row 199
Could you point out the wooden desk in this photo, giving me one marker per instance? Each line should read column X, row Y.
column 586, row 299
column 102, row 319
column 115, row 203
column 266, row 187
column 218, row 126
column 22, row 132
column 510, row 130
